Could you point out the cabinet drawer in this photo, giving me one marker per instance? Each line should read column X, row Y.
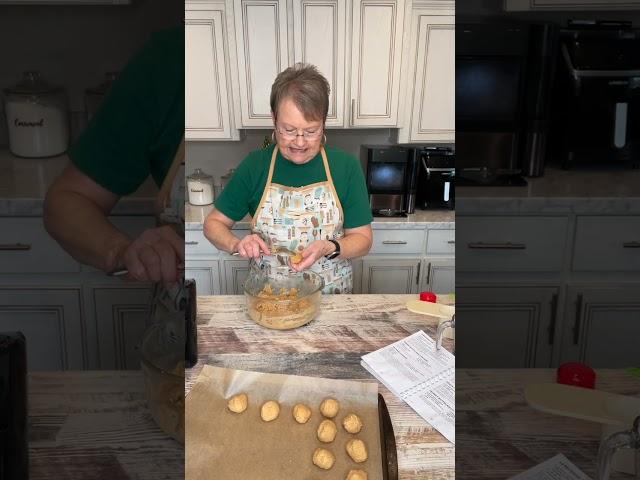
column 510, row 244
column 26, row 247
column 441, row 242
column 397, row 241
column 195, row 243
column 607, row 243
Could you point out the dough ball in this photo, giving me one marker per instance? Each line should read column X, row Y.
column 329, row 407
column 301, row 413
column 238, row 403
column 327, row 431
column 270, row 411
column 323, row 458
column 352, row 423
column 357, row 475
column 357, row 450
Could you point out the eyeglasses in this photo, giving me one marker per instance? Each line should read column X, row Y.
column 292, row 133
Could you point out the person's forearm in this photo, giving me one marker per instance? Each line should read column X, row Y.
column 83, row 230
column 352, row 245
column 220, row 235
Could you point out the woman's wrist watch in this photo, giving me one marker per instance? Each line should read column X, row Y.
column 336, row 252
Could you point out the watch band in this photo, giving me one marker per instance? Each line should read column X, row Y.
column 336, row 252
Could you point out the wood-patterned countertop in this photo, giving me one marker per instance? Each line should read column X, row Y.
column 498, row 435
column 347, row 327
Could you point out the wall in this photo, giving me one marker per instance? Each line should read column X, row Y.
column 74, row 46
column 216, row 158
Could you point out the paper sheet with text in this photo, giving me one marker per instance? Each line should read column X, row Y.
column 556, row 468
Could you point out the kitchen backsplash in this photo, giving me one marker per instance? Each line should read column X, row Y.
column 216, row 158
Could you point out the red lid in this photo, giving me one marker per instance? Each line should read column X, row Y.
column 577, row 374
column 428, row 297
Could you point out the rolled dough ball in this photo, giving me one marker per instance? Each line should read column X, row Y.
column 270, row 411
column 352, row 423
column 301, row 413
column 357, row 475
column 238, row 403
column 323, row 458
column 329, row 407
column 327, row 431
column 357, row 450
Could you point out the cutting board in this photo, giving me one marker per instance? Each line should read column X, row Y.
column 429, row 308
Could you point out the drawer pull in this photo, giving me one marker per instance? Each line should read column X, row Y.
column 451, row 242
column 15, row 246
column 394, row 242
column 497, row 246
column 631, row 245
column 576, row 325
column 191, row 243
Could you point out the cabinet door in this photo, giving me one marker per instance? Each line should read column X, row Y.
column 235, row 274
column 505, row 327
column 439, row 275
column 429, row 113
column 208, row 114
column 375, row 62
column 122, row 316
column 319, row 39
column 206, row 273
column 263, row 52
column 571, row 4
column 51, row 322
column 603, row 326
column 390, row 275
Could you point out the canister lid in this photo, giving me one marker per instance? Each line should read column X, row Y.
column 198, row 174
column 32, row 83
column 104, row 87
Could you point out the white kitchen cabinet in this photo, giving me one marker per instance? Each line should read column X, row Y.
column 428, row 75
column 206, row 274
column 235, row 273
column 208, row 74
column 376, row 51
column 51, row 321
column 505, row 327
column 122, row 317
column 439, row 275
column 261, row 28
column 390, row 275
column 602, row 327
column 519, row 5
column 319, row 38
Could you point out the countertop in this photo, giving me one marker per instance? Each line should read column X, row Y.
column 347, row 327
column 436, row 219
column 500, row 435
column 24, row 183
column 96, row 424
column 584, row 190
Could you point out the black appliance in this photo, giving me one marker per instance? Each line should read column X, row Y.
column 436, row 178
column 503, row 80
column 597, row 96
column 391, row 174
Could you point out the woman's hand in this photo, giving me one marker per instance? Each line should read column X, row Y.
column 154, row 256
column 312, row 254
column 252, row 246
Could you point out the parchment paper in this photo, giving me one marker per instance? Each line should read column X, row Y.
column 221, row 445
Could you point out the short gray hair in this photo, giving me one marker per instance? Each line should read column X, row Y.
column 306, row 87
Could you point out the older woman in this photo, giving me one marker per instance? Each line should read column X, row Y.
column 301, row 194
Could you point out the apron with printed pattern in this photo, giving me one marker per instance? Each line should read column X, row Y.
column 293, row 218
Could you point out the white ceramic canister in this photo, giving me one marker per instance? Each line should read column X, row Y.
column 37, row 118
column 200, row 188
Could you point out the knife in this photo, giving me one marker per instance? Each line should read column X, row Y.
column 387, row 442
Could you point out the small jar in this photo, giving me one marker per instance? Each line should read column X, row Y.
column 94, row 97
column 200, row 188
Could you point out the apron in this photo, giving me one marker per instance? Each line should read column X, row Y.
column 293, row 218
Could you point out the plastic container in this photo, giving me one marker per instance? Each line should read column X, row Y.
column 576, row 374
column 283, row 312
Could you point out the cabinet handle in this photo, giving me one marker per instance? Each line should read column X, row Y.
column 576, row 325
column 451, row 242
column 394, row 242
column 353, row 111
column 633, row 244
column 554, row 316
column 191, row 243
column 14, row 246
column 418, row 275
column 497, row 246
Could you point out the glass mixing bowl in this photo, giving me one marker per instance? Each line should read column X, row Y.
column 284, row 301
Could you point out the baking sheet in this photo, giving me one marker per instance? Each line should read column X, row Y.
column 222, row 445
